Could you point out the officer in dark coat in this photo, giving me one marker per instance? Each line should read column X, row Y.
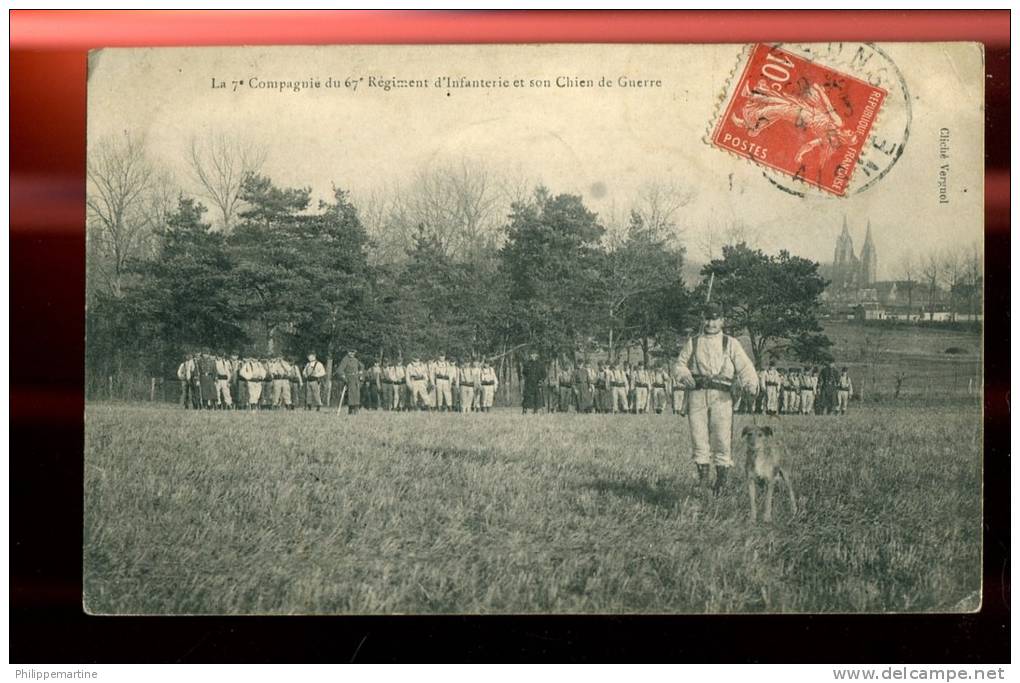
column 350, row 371
column 534, row 376
column 207, row 376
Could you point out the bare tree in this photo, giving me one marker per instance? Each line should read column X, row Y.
column 716, row 237
column 124, row 187
column 219, row 164
column 909, row 270
column 659, row 205
column 953, row 271
column 931, row 271
column 460, row 203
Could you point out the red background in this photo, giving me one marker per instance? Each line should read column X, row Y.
column 47, row 157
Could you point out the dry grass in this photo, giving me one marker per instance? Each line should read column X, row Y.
column 192, row 512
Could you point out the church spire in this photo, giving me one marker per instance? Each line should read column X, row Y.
column 846, row 230
column 869, row 260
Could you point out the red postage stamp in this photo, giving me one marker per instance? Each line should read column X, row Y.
column 799, row 118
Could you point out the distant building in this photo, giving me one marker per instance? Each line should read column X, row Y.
column 850, row 273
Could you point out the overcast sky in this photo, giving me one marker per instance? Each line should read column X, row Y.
column 601, row 143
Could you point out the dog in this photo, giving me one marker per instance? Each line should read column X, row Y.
column 763, row 465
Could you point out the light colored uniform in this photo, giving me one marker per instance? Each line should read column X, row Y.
column 618, row 387
column 642, row 387
column 313, row 373
column 441, row 375
column 489, row 384
column 417, row 381
column 720, row 361
column 252, row 373
column 772, row 380
column 185, row 373
column 844, row 390
column 467, row 377
column 808, row 384
column 223, row 372
column 280, row 374
column 396, row 374
column 660, row 386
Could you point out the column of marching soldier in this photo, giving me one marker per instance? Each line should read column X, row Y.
column 218, row 382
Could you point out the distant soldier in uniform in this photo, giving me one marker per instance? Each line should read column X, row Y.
column 468, row 379
column 206, row 364
column 844, row 392
column 350, row 371
column 584, row 387
column 828, row 382
column 808, row 382
column 223, row 399
column 280, row 373
column 441, row 376
column 642, row 387
column 297, row 382
column 401, row 392
column 711, row 364
column 417, row 379
column 267, row 383
column 618, row 386
column 771, row 383
column 252, row 374
column 660, row 388
column 534, row 375
column 552, row 386
column 185, row 373
column 488, row 384
column 600, row 387
column 565, row 381
column 237, row 387
column 374, row 381
column 313, row 373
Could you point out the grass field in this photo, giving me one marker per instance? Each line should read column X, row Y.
column 214, row 512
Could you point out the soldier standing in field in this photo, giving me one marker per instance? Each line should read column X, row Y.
column 618, row 387
column 808, row 382
column 185, row 373
column 252, row 374
column 350, row 372
column 584, row 387
column 468, row 377
column 844, row 392
column 565, row 382
column 417, row 378
column 488, row 383
column 711, row 365
column 313, row 373
column 441, row 375
column 534, row 374
column 642, row 387
column 660, row 382
column 679, row 394
column 374, row 383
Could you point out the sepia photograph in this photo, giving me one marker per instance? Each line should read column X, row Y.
column 534, row 329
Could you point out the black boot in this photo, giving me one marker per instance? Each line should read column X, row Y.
column 720, row 480
column 703, row 474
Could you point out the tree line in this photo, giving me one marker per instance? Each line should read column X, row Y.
column 242, row 263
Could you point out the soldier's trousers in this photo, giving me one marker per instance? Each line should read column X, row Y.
column 488, row 395
column 710, row 416
column 641, row 399
column 313, row 397
column 807, row 402
column 387, row 396
column 418, row 392
column 842, row 400
column 619, row 400
column 566, row 395
column 254, row 392
column 223, row 392
column 658, row 398
column 185, row 398
column 444, row 395
column 772, row 399
column 281, row 392
column 467, row 397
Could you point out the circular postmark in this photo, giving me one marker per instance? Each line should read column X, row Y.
column 891, row 128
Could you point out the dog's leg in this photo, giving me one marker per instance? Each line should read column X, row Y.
column 789, row 490
column 769, row 486
column 752, row 492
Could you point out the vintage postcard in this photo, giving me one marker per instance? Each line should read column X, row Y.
column 494, row 329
